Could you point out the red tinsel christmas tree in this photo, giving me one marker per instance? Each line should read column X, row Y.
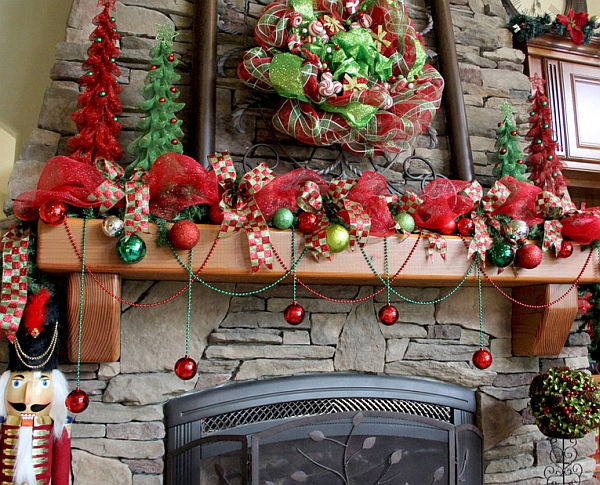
column 99, row 104
column 543, row 162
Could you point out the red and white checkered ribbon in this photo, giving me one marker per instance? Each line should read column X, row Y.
column 15, row 243
column 110, row 191
column 240, row 209
column 552, row 236
column 435, row 243
column 482, row 240
column 137, row 197
column 310, row 200
column 551, row 206
column 409, row 202
column 474, row 191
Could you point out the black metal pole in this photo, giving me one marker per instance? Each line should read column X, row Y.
column 454, row 103
column 204, row 82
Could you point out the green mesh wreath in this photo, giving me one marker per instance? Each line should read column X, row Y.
column 565, row 403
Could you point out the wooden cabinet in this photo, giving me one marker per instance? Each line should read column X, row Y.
column 572, row 75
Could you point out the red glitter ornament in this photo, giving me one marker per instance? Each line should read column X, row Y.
column 482, row 359
column 77, row 401
column 53, row 213
column 215, row 214
column 465, row 226
column 388, row 314
column 566, row 249
column 294, row 314
column 308, row 222
column 448, row 229
column 184, row 235
column 528, row 256
column 185, row 368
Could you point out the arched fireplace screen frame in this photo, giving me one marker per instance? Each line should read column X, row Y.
column 236, row 412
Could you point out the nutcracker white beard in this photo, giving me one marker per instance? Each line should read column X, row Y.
column 24, row 472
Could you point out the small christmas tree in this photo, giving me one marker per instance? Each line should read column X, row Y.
column 508, row 157
column 161, row 128
column 545, row 166
column 99, row 104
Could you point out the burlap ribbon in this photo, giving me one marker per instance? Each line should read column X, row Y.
column 15, row 243
column 135, row 191
column 552, row 208
column 241, row 210
column 482, row 240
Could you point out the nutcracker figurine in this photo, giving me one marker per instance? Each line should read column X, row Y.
column 35, row 434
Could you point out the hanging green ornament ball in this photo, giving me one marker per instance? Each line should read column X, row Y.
column 532, row 113
column 89, row 73
column 549, row 157
column 98, row 39
column 538, row 142
column 283, row 218
column 546, row 126
column 102, row 94
column 112, row 19
column 501, row 255
column 544, row 103
column 338, row 238
column 554, row 174
column 131, row 249
column 405, row 221
column 115, row 118
column 112, row 59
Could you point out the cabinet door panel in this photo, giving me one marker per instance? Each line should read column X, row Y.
column 582, row 107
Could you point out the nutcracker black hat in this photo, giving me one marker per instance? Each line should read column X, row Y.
column 36, row 344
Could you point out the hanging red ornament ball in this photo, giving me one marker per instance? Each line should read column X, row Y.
column 185, row 368
column 53, row 213
column 184, row 235
column 388, row 314
column 482, row 359
column 215, row 214
column 171, row 58
column 294, row 314
column 173, row 120
column 566, row 249
column 503, row 151
column 173, row 90
column 162, row 100
column 174, row 141
column 499, row 124
column 465, row 226
column 528, row 256
column 308, row 222
column 77, row 401
column 513, row 133
column 447, row 229
column 153, row 68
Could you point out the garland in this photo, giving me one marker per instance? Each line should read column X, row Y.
column 579, row 27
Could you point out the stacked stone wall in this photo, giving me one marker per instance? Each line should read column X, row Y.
column 120, row 438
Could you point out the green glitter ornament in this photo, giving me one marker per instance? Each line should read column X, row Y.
column 405, row 221
column 131, row 249
column 501, row 255
column 338, row 238
column 283, row 218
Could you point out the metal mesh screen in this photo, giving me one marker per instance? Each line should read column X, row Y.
column 295, row 409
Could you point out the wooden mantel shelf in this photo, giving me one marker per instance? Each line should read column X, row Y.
column 535, row 332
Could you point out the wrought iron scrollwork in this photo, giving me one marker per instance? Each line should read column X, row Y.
column 564, row 468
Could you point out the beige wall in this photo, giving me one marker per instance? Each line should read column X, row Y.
column 29, row 32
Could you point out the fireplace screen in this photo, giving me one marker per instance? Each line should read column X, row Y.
column 377, row 434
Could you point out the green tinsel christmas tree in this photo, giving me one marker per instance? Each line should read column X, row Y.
column 508, row 158
column 161, row 129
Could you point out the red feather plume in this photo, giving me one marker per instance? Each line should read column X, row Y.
column 34, row 314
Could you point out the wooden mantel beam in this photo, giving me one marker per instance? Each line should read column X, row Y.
column 540, row 331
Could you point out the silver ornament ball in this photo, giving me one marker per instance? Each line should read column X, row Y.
column 113, row 226
column 516, row 231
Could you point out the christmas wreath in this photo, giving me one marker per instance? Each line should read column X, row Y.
column 565, row 403
column 351, row 72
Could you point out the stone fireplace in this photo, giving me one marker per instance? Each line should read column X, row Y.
column 120, row 439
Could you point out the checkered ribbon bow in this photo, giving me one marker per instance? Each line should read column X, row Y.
column 135, row 191
column 310, row 200
column 241, row 210
column 553, row 208
column 15, row 243
column 482, row 240
column 409, row 202
column 436, row 242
